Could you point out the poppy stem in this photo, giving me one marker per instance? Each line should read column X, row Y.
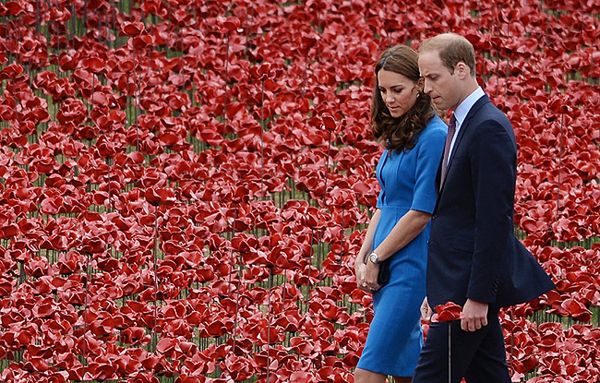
column 37, row 16
column 262, row 142
column 269, row 322
column 512, row 340
column 84, row 21
column 72, row 22
column 22, row 276
column 237, row 302
column 154, row 260
column 449, row 352
column 560, row 153
column 114, row 23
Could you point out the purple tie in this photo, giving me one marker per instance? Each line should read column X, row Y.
column 451, row 131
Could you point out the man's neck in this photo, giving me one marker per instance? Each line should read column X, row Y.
column 470, row 88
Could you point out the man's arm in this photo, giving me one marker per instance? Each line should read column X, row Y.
column 493, row 156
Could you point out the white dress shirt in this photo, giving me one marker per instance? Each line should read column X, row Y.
column 460, row 113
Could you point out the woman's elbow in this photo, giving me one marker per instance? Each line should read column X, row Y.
column 421, row 219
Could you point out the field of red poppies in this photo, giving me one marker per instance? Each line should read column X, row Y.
column 184, row 184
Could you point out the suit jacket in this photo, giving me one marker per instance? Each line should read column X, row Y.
column 473, row 252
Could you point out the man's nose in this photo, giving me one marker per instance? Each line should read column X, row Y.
column 426, row 86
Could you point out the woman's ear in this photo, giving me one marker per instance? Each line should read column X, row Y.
column 419, row 85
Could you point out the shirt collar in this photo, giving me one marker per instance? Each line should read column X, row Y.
column 463, row 109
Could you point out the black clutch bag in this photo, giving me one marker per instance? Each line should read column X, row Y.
column 384, row 273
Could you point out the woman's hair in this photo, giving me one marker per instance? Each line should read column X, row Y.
column 399, row 133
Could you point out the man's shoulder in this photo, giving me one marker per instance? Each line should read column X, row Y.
column 485, row 111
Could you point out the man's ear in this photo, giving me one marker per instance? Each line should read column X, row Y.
column 462, row 70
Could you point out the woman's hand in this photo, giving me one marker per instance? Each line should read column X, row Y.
column 372, row 272
column 360, row 270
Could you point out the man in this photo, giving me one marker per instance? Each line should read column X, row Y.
column 474, row 258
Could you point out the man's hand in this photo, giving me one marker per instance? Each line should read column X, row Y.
column 426, row 312
column 474, row 315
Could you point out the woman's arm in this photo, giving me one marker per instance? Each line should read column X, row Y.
column 406, row 229
column 365, row 249
column 360, row 260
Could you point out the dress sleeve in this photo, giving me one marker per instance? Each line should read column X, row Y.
column 378, row 169
column 429, row 154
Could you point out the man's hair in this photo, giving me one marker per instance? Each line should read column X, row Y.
column 452, row 49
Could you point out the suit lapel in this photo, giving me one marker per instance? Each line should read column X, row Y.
column 438, row 176
column 463, row 130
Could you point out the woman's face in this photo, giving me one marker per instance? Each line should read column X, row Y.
column 399, row 93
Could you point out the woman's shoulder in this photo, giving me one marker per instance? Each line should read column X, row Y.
column 435, row 128
column 436, row 123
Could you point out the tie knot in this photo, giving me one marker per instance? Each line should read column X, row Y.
column 451, row 131
column 452, row 122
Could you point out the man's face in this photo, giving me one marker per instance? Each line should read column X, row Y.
column 442, row 86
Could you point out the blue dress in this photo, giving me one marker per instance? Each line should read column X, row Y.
column 407, row 181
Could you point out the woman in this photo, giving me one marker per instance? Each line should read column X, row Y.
column 413, row 136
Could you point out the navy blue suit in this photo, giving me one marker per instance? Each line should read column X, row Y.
column 473, row 253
